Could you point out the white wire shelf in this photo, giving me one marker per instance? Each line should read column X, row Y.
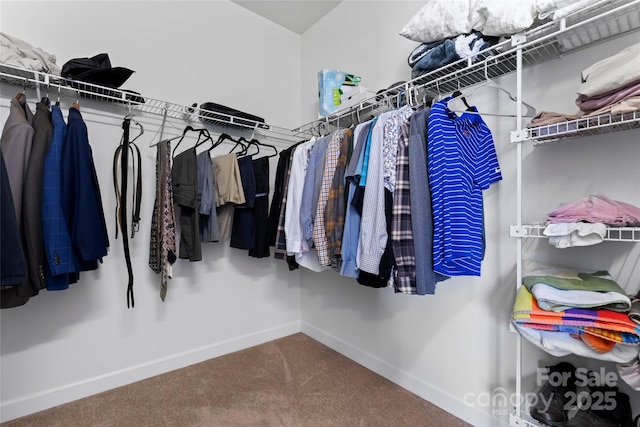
column 601, row 21
column 613, row 234
column 57, row 85
column 586, row 126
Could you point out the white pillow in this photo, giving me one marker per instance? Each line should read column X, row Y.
column 438, row 20
column 504, row 17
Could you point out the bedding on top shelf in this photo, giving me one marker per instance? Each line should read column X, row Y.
column 461, row 29
column 438, row 20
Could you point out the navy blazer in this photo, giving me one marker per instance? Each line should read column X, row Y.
column 57, row 244
column 81, row 200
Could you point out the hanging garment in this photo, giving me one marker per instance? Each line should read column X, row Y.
column 260, row 247
column 185, row 195
column 335, row 209
column 319, row 227
column 421, row 208
column 281, row 242
column 228, row 191
column 278, row 195
column 243, row 229
column 390, row 145
column 462, row 162
column 209, row 228
column 351, row 232
column 292, row 223
column 81, row 200
column 401, row 230
column 162, row 253
column 308, row 256
column 33, row 239
column 373, row 227
column 16, row 141
column 390, row 135
column 385, row 266
column 13, row 267
column 61, row 259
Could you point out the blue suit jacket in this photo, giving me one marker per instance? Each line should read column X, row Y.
column 57, row 243
column 81, row 201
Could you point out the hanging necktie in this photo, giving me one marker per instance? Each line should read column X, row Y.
column 162, row 253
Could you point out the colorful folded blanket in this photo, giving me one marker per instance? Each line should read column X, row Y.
column 607, row 324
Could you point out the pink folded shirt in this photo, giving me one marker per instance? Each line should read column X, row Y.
column 596, row 208
column 597, row 102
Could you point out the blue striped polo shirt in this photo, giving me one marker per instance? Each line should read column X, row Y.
column 462, row 162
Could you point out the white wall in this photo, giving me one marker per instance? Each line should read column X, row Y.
column 446, row 346
column 68, row 344
column 65, row 345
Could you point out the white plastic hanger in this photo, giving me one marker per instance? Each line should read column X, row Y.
column 530, row 113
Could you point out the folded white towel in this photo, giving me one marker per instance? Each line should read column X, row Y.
column 565, row 235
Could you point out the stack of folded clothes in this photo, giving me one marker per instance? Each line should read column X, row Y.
column 567, row 312
column 610, row 87
column 584, row 222
column 430, row 56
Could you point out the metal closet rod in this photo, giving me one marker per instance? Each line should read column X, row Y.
column 38, row 79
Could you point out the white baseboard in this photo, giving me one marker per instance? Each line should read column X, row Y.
column 16, row 408
column 425, row 390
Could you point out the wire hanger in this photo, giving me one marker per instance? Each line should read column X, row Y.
column 457, row 94
column 131, row 118
column 76, row 104
column 275, row 150
column 531, row 111
column 250, row 143
column 160, row 130
column 189, row 128
column 264, row 144
column 239, row 142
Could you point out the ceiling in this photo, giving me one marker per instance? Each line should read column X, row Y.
column 296, row 15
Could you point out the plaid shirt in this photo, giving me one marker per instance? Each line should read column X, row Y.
column 319, row 228
column 281, row 241
column 335, row 209
column 401, row 229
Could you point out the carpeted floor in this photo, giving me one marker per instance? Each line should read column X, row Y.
column 293, row 381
